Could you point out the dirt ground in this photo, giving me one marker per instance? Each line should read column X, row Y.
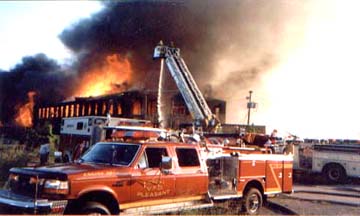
column 321, row 187
column 303, row 207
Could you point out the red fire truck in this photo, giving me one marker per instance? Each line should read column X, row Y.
column 143, row 177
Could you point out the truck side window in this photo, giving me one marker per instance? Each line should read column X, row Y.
column 154, row 156
column 187, row 157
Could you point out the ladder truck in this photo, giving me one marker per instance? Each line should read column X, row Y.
column 195, row 101
column 204, row 120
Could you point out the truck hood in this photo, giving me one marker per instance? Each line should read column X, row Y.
column 64, row 171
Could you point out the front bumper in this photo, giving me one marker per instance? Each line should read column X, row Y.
column 11, row 203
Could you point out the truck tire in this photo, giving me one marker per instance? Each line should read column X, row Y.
column 252, row 201
column 335, row 173
column 95, row 208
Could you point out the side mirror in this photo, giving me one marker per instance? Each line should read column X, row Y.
column 166, row 163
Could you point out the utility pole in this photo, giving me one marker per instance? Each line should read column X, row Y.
column 250, row 105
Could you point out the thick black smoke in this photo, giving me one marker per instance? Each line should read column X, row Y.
column 35, row 73
column 133, row 28
column 244, row 31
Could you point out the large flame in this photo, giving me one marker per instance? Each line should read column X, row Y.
column 113, row 76
column 24, row 115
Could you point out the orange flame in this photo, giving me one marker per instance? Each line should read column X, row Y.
column 24, row 115
column 113, row 76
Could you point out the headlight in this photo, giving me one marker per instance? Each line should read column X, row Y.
column 53, row 186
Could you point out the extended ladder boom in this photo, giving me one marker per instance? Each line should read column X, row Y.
column 194, row 99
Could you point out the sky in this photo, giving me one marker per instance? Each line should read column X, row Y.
column 31, row 27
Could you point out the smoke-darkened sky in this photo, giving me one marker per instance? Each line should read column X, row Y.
column 285, row 51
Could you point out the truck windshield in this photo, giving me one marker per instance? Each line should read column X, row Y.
column 111, row 153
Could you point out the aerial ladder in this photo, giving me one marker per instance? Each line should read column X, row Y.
column 195, row 101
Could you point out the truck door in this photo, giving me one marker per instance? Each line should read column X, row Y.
column 148, row 182
column 274, row 176
column 191, row 179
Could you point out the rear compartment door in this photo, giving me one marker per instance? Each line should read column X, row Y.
column 288, row 176
column 274, row 176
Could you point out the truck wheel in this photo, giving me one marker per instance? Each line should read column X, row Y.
column 252, row 201
column 335, row 173
column 94, row 208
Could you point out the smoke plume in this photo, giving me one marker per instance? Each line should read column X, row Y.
column 210, row 33
column 228, row 45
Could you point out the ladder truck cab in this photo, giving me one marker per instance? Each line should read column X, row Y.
column 187, row 86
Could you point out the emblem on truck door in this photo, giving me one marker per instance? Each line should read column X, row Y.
column 153, row 188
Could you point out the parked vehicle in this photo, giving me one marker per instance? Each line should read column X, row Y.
column 335, row 161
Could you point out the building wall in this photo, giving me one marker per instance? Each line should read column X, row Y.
column 133, row 104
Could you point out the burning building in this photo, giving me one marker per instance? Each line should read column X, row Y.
column 128, row 104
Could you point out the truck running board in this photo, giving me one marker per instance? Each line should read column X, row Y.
column 173, row 207
column 226, row 196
